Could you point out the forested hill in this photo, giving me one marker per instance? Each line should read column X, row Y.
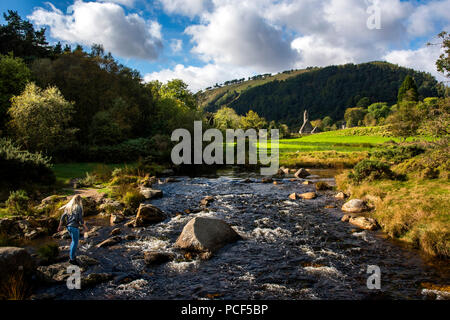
column 322, row 91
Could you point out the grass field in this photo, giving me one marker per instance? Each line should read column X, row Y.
column 338, row 149
column 66, row 171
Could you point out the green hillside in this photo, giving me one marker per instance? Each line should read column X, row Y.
column 322, row 91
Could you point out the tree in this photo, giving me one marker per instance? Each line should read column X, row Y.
column 378, row 111
column 354, row 116
column 408, row 90
column 443, row 63
column 179, row 90
column 436, row 117
column 18, row 36
column 317, row 123
column 14, row 75
column 327, row 122
column 40, row 119
column 252, row 121
column 406, row 120
column 363, row 102
column 226, row 118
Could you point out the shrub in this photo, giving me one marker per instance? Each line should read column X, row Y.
column 48, row 253
column 133, row 199
column 103, row 172
column 430, row 173
column 396, row 154
column 17, row 202
column 15, row 287
column 123, row 179
column 88, row 181
column 371, row 170
column 19, row 167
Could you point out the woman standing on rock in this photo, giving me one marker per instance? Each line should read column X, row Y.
column 73, row 219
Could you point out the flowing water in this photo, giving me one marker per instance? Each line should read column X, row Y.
column 291, row 249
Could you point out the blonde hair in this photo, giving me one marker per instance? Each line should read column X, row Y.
column 73, row 205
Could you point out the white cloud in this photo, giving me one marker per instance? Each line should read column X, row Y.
column 428, row 17
column 129, row 36
column 423, row 59
column 315, row 53
column 237, row 35
column 273, row 35
column 190, row 8
column 199, row 77
column 176, row 45
column 127, row 3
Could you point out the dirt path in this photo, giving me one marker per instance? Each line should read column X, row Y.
column 89, row 193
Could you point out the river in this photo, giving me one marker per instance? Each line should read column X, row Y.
column 291, row 249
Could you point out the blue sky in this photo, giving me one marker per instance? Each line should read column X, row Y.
column 209, row 41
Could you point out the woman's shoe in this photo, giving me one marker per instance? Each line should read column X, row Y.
column 74, row 262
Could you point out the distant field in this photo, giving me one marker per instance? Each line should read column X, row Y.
column 332, row 149
column 66, row 171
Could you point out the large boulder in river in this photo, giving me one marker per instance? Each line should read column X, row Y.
column 302, row 173
column 206, row 234
column 308, row 195
column 354, row 206
column 156, row 257
column 364, row 223
column 148, row 214
column 12, row 260
column 150, row 193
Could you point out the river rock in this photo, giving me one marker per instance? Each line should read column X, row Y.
column 54, row 273
column 35, row 233
column 86, row 261
column 130, row 224
column 293, row 196
column 156, row 257
column 92, row 232
column 206, row 234
column 206, row 201
column 148, row 214
column 64, row 234
column 346, row 218
column 12, row 260
column 148, row 181
column 267, row 180
column 302, row 173
column 364, row 223
column 89, row 206
column 116, row 218
column 308, row 195
column 93, row 279
column 109, row 242
column 340, row 195
column 115, row 232
column 110, row 205
column 307, row 182
column 150, row 193
column 354, row 206
column 285, row 170
column 130, row 237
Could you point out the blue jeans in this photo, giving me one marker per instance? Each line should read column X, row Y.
column 75, row 234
